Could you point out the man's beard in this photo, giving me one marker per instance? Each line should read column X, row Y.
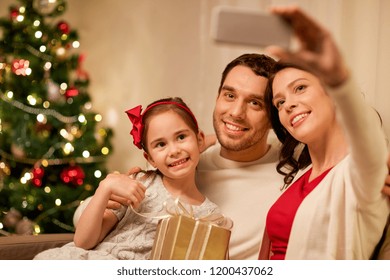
column 237, row 144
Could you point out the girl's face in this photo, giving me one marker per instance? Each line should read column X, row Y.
column 173, row 147
column 305, row 109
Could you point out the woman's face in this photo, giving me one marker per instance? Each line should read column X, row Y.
column 305, row 109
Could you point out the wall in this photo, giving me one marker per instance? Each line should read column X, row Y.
column 141, row 50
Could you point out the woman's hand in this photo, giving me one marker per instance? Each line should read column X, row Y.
column 317, row 48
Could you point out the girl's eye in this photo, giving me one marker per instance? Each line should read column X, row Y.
column 181, row 136
column 160, row 144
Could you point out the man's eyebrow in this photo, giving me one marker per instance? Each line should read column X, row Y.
column 227, row 87
column 257, row 96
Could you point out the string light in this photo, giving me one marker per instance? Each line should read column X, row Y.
column 105, row 151
column 98, row 118
column 58, row 202
column 37, row 111
column 68, row 148
column 88, row 105
column 97, row 174
column 60, row 51
column 55, row 161
column 37, row 229
column 63, row 86
column 20, row 18
column 32, row 100
column 46, row 104
column 86, row 154
column 37, row 53
column 41, row 118
column 47, row 66
column 76, row 44
column 38, row 34
column 82, row 119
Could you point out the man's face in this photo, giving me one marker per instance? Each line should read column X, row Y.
column 240, row 119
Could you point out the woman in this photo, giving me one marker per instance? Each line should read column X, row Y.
column 333, row 154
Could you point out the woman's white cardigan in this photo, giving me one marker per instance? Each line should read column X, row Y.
column 344, row 216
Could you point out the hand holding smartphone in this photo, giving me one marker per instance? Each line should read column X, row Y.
column 249, row 27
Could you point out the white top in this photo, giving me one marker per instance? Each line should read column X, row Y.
column 344, row 216
column 244, row 191
column 132, row 238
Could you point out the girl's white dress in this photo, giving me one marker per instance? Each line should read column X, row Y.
column 132, row 238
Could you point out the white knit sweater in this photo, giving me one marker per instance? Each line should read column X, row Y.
column 244, row 191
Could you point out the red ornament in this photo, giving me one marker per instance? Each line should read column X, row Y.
column 42, row 127
column 20, row 66
column 63, row 27
column 71, row 92
column 37, row 173
column 14, row 13
column 81, row 74
column 73, row 175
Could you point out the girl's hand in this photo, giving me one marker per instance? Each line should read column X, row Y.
column 121, row 188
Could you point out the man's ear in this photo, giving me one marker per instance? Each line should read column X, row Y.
column 149, row 159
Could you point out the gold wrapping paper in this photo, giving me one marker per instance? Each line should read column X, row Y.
column 183, row 238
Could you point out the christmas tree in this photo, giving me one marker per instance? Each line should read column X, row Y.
column 53, row 147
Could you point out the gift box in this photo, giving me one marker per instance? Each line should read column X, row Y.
column 186, row 238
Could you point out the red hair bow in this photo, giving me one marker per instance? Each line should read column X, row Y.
column 136, row 119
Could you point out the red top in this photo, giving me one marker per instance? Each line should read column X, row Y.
column 281, row 215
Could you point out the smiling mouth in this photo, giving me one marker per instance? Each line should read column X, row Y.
column 179, row 162
column 298, row 118
column 233, row 127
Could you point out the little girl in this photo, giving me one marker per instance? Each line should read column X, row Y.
column 168, row 133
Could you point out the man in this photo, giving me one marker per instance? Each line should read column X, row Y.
column 239, row 173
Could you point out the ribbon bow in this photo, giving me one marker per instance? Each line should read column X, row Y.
column 176, row 208
column 136, row 119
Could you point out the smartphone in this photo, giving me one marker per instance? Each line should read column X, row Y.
column 245, row 26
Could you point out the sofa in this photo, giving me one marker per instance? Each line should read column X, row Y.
column 25, row 247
